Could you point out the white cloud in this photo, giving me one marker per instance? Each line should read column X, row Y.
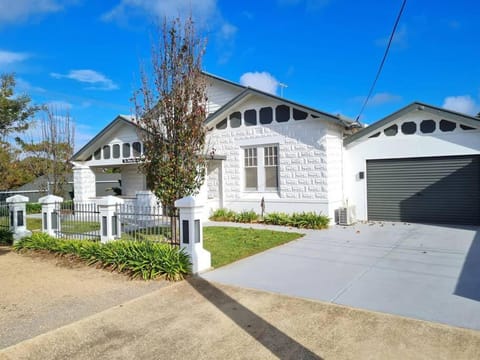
column 100, row 81
column 309, row 4
column 260, row 80
column 15, row 11
column 464, row 104
column 227, row 31
column 379, row 99
column 200, row 10
column 10, row 57
column 23, row 85
column 384, row 98
column 59, row 105
column 400, row 39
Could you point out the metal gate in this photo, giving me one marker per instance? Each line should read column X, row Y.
column 77, row 221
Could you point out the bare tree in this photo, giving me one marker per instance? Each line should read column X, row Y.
column 170, row 109
column 50, row 154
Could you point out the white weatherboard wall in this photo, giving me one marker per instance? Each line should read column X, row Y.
column 458, row 142
column 219, row 93
column 304, row 173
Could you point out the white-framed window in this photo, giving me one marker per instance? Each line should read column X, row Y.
column 261, row 168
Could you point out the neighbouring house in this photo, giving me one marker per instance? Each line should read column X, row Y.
column 105, row 183
column 421, row 163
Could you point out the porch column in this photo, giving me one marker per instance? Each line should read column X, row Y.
column 109, row 221
column 191, row 234
column 83, row 183
column 50, row 218
column 17, row 206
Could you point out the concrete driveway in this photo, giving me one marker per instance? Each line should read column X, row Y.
column 426, row 272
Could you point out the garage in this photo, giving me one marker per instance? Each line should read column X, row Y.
column 425, row 190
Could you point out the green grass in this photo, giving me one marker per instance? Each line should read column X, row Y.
column 34, row 224
column 69, row 226
column 229, row 244
column 157, row 233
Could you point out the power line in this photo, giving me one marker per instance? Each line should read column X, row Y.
column 383, row 61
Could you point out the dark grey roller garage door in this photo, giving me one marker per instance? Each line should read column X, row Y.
column 431, row 190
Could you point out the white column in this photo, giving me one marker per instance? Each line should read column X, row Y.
column 191, row 234
column 83, row 183
column 17, row 206
column 110, row 225
column 50, row 217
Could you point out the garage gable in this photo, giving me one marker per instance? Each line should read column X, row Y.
column 417, row 119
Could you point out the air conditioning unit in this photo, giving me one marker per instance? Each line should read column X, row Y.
column 345, row 215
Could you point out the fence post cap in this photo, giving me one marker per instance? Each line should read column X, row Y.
column 188, row 202
column 17, row 199
column 50, row 199
column 109, row 200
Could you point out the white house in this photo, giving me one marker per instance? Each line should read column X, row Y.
column 421, row 163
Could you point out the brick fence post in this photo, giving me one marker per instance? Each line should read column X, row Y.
column 17, row 206
column 191, row 234
column 50, row 217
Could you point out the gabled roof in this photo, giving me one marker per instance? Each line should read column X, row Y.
column 415, row 106
column 215, row 77
column 249, row 91
column 120, row 119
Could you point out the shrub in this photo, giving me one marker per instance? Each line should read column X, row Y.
column 277, row 218
column 34, row 208
column 144, row 259
column 246, row 217
column 304, row 220
column 309, row 220
column 6, row 237
column 223, row 215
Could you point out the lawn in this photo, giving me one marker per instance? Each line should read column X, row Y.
column 229, row 244
column 67, row 226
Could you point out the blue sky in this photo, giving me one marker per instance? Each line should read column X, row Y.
column 85, row 54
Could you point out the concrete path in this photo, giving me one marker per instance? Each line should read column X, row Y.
column 420, row 271
column 195, row 319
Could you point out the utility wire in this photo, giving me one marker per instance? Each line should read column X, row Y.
column 383, row 61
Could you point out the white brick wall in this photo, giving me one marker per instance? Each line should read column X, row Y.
column 83, row 183
column 132, row 180
column 304, row 147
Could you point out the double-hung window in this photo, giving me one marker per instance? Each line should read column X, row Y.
column 261, row 168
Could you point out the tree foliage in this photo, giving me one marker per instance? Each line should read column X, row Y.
column 49, row 154
column 15, row 111
column 170, row 108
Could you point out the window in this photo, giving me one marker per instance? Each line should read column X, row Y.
column 391, row 131
column 271, row 167
column 235, row 119
column 427, row 126
column 116, row 151
column 137, row 149
column 250, row 117
column 447, row 126
column 261, row 168
column 465, row 127
column 126, row 150
column 106, row 152
column 409, row 128
column 251, row 168
column 282, row 113
column 299, row 114
column 97, row 155
column 266, row 115
column 222, row 124
column 374, row 135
